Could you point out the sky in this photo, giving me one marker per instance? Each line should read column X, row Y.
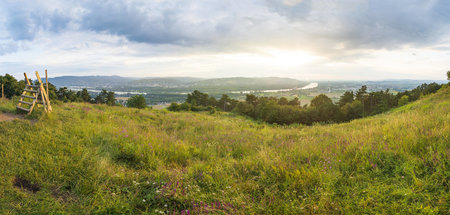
column 302, row 39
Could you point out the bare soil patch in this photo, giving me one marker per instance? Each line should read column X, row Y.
column 26, row 184
column 9, row 117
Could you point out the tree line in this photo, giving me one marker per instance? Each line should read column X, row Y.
column 322, row 109
column 13, row 87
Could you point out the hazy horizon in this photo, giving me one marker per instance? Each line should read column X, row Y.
column 302, row 39
column 41, row 72
column 155, row 77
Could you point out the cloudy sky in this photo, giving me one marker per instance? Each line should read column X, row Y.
column 303, row 39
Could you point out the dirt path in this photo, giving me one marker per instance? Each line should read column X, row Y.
column 9, row 117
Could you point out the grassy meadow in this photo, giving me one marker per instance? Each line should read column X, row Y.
column 96, row 159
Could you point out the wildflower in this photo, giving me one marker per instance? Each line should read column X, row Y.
column 165, row 205
column 143, row 200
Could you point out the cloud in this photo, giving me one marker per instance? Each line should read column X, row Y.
column 184, row 23
column 202, row 36
column 8, row 47
column 321, row 24
column 369, row 24
column 24, row 19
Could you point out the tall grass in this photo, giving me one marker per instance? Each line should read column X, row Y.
column 96, row 159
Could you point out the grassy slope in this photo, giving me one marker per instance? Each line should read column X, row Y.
column 98, row 159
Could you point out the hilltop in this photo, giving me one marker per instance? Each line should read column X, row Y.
column 85, row 159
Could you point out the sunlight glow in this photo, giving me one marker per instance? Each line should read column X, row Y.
column 289, row 58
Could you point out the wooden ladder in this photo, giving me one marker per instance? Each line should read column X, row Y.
column 34, row 95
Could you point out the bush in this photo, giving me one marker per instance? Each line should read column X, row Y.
column 185, row 107
column 174, row 107
column 211, row 110
column 137, row 101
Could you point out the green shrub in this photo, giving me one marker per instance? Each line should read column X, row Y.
column 137, row 101
column 174, row 107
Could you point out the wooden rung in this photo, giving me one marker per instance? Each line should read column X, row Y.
column 24, row 109
column 35, row 86
column 30, row 97
column 31, row 91
column 28, row 103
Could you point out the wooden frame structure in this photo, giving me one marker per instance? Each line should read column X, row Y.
column 35, row 95
column 3, row 93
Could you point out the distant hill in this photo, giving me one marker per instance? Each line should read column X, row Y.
column 252, row 83
column 165, row 82
column 90, row 81
column 177, row 82
column 396, row 84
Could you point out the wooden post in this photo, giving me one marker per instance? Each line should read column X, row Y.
column 46, row 80
column 43, row 92
column 26, row 78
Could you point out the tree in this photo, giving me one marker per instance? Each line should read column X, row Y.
column 174, row 107
column 283, row 101
column 225, row 103
column 294, row 102
column 11, row 86
column 186, row 107
column 84, row 95
column 320, row 100
column 269, row 112
column 137, row 101
column 346, row 98
column 67, row 95
column 245, row 108
column 197, row 98
column 323, row 110
column 361, row 93
column 251, row 99
column 110, row 98
column 448, row 78
column 101, row 97
column 213, row 102
column 52, row 92
column 357, row 108
column 347, row 112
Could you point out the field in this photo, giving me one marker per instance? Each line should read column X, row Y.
column 96, row 159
